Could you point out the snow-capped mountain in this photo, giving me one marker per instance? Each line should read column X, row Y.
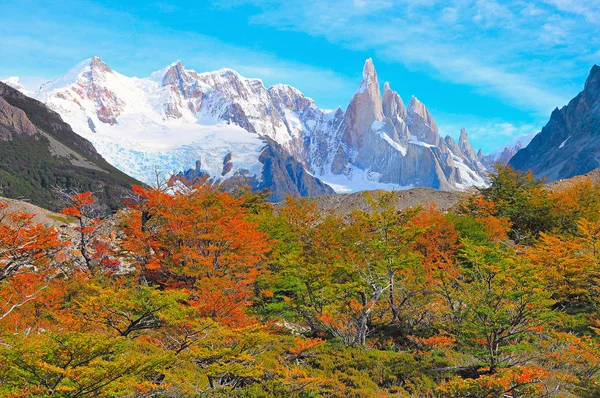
column 381, row 140
column 228, row 126
column 503, row 154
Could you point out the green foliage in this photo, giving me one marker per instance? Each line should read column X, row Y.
column 523, row 200
column 76, row 365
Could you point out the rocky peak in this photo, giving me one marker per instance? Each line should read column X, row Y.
column 97, row 65
column 369, row 88
column 392, row 103
column 568, row 145
column 338, row 112
column 591, row 91
column 452, row 145
column 96, row 79
column 288, row 97
column 593, row 80
column 421, row 123
column 465, row 145
column 185, row 90
column 365, row 107
column 369, row 70
column 417, row 108
column 174, row 74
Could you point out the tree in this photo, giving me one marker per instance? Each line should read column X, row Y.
column 93, row 246
column 336, row 271
column 25, row 246
column 499, row 311
column 199, row 238
column 383, row 258
column 76, row 365
column 521, row 199
column 27, row 258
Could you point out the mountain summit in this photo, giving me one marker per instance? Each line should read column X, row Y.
column 230, row 127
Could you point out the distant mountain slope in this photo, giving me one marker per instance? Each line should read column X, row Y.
column 593, row 176
column 38, row 151
column 346, row 203
column 504, row 154
column 178, row 119
column 40, row 215
column 569, row 144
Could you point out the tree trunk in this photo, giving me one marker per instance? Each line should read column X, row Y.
column 363, row 316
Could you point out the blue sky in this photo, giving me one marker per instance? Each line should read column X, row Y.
column 497, row 68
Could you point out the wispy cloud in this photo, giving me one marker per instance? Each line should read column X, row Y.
column 589, row 9
column 520, row 52
column 140, row 53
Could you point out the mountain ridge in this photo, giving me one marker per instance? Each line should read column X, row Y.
column 569, row 143
column 178, row 117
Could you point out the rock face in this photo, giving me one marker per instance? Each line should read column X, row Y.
column 38, row 151
column 177, row 117
column 284, row 175
column 401, row 147
column 13, row 121
column 569, row 144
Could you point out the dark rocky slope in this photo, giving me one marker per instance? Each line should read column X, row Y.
column 569, row 144
column 38, row 152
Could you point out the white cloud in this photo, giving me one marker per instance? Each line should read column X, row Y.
column 590, row 9
column 520, row 52
column 65, row 45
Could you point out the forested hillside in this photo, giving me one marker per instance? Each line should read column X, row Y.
column 40, row 153
column 191, row 291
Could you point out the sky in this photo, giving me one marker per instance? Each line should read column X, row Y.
column 497, row 68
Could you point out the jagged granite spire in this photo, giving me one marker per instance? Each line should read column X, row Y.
column 421, row 123
column 364, row 109
column 465, row 145
column 392, row 103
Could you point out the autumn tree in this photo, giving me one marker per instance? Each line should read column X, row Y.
column 381, row 253
column 93, row 246
column 500, row 311
column 27, row 258
column 197, row 237
column 522, row 199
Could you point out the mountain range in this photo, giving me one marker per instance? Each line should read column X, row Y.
column 232, row 128
column 503, row 154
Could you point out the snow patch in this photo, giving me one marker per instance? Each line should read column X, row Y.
column 356, row 180
column 393, row 143
column 564, row 142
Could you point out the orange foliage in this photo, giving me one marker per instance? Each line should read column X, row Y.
column 438, row 243
column 199, row 238
column 94, row 248
column 25, row 246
